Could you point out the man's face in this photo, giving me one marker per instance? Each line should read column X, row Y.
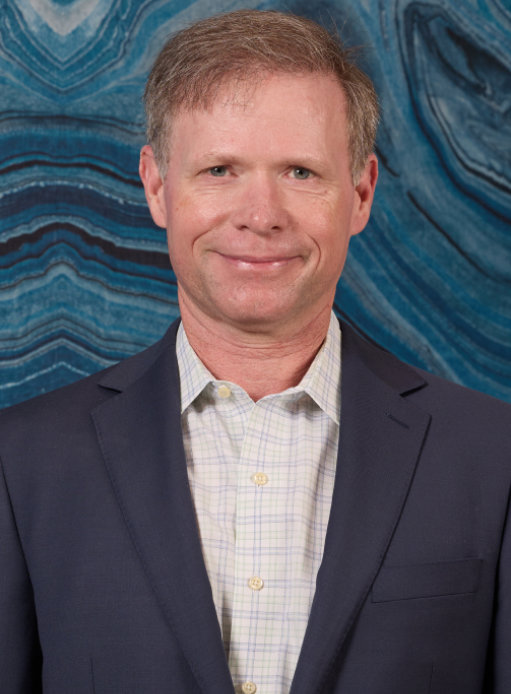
column 259, row 202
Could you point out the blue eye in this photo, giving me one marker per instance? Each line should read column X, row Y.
column 301, row 173
column 218, row 170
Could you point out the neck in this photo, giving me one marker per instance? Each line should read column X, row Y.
column 261, row 363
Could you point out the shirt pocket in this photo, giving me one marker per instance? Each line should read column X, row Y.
column 432, row 580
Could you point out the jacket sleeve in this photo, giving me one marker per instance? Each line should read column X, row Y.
column 20, row 654
column 499, row 670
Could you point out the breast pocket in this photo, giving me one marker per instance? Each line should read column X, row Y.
column 427, row 580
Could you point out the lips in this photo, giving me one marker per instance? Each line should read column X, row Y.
column 250, row 261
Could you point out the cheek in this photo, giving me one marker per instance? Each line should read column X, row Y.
column 330, row 230
column 188, row 234
column 191, row 215
column 181, row 222
column 332, row 241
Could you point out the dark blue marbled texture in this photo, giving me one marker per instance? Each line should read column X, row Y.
column 84, row 274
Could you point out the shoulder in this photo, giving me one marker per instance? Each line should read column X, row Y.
column 68, row 408
column 445, row 395
column 458, row 406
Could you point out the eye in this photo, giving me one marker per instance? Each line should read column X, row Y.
column 217, row 170
column 301, row 173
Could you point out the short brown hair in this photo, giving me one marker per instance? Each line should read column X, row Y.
column 240, row 46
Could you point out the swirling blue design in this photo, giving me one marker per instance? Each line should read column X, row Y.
column 430, row 277
column 84, row 274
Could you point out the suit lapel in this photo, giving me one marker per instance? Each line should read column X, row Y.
column 139, row 431
column 381, row 437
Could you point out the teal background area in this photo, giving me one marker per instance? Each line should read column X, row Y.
column 84, row 274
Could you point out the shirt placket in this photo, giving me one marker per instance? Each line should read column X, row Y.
column 251, row 586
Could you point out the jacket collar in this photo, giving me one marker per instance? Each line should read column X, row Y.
column 398, row 375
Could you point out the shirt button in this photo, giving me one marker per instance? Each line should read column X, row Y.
column 248, row 688
column 255, row 583
column 259, row 478
column 224, row 391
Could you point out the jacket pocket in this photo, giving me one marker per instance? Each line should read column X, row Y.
column 427, row 580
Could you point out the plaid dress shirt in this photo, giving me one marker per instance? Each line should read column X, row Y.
column 261, row 476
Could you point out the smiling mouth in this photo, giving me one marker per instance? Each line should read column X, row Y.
column 251, row 262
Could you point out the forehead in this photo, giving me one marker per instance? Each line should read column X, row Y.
column 242, row 90
column 292, row 105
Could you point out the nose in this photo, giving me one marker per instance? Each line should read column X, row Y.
column 260, row 207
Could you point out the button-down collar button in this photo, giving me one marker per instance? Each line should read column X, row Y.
column 248, row 688
column 224, row 391
column 255, row 583
column 259, row 478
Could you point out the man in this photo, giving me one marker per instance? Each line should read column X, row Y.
column 205, row 516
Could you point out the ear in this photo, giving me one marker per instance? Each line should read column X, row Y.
column 364, row 194
column 153, row 186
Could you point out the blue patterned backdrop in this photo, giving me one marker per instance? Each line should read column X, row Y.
column 84, row 274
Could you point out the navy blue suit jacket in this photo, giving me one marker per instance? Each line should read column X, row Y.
column 103, row 588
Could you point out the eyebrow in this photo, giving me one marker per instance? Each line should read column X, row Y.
column 304, row 160
column 218, row 155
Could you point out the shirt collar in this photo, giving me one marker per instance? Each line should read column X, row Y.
column 321, row 382
column 193, row 375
